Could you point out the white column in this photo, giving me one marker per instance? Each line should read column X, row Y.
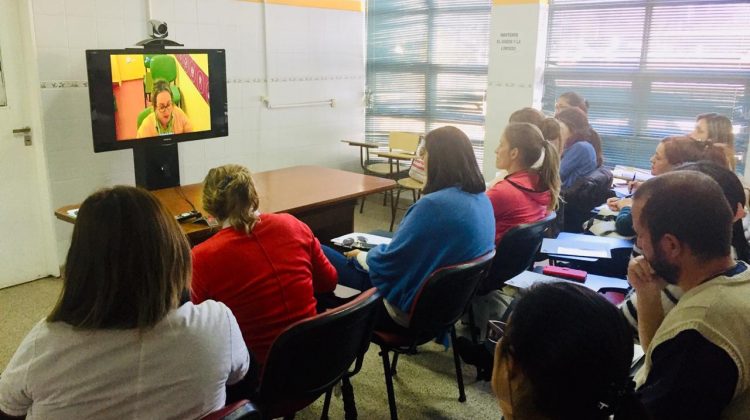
column 518, row 37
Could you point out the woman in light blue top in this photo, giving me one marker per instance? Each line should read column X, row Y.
column 452, row 223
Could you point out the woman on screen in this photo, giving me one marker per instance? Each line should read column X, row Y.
column 119, row 343
column 167, row 117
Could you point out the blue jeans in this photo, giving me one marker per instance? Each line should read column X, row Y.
column 351, row 273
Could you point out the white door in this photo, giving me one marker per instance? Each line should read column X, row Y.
column 23, row 247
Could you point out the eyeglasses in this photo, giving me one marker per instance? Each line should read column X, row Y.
column 162, row 108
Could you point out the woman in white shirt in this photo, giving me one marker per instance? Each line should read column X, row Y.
column 119, row 344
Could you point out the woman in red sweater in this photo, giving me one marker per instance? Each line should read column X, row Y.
column 529, row 192
column 264, row 267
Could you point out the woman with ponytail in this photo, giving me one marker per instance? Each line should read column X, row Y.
column 264, row 267
column 529, row 192
column 565, row 355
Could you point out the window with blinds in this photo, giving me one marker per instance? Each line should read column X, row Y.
column 648, row 67
column 427, row 67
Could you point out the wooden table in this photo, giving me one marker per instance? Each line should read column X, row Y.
column 324, row 198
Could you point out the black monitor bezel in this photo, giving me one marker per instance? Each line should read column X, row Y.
column 101, row 98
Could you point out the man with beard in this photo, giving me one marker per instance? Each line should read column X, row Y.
column 698, row 355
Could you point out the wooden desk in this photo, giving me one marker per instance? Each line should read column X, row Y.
column 324, row 198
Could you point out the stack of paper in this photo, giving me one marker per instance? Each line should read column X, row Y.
column 631, row 173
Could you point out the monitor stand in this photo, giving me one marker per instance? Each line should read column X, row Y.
column 156, row 166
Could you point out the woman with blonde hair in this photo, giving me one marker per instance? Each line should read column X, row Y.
column 119, row 343
column 265, row 267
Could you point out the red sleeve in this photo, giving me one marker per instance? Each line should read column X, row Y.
column 499, row 198
column 198, row 292
column 324, row 274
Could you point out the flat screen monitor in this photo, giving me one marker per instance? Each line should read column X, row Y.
column 143, row 97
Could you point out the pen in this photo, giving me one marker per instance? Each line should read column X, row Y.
column 630, row 187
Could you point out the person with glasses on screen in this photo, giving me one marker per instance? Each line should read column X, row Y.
column 167, row 117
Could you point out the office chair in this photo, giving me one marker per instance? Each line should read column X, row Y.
column 310, row 356
column 439, row 303
column 515, row 253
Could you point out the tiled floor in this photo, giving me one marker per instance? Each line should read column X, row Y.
column 425, row 386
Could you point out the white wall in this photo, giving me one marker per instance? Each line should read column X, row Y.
column 313, row 54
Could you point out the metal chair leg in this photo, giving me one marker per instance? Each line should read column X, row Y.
column 457, row 362
column 362, row 205
column 393, row 364
column 473, row 325
column 389, row 383
column 394, row 206
column 347, row 392
column 326, row 405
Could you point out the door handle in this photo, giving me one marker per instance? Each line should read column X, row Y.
column 26, row 131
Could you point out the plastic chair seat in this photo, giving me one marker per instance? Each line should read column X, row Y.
column 384, row 169
column 410, row 183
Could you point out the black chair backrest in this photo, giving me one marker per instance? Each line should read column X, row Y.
column 313, row 354
column 586, row 193
column 516, row 252
column 446, row 293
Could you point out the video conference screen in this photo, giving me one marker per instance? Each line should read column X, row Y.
column 160, row 94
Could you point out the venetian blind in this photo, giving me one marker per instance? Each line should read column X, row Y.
column 648, row 67
column 427, row 67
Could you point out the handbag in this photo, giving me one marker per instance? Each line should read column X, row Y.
column 416, row 170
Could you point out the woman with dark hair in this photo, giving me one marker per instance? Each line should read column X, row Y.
column 265, row 267
column 571, row 100
column 551, row 131
column 119, row 344
column 451, row 223
column 582, row 147
column 566, row 354
column 717, row 128
column 528, row 193
column 670, row 153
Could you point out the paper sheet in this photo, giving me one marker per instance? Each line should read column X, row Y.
column 581, row 252
column 369, row 240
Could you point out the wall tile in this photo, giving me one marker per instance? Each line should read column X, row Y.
column 109, row 9
column 53, row 63
column 110, row 33
column 82, row 8
column 185, row 11
column 50, row 31
column 48, row 7
column 82, row 32
column 162, row 10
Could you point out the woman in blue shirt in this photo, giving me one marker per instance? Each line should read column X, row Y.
column 452, row 223
column 582, row 147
